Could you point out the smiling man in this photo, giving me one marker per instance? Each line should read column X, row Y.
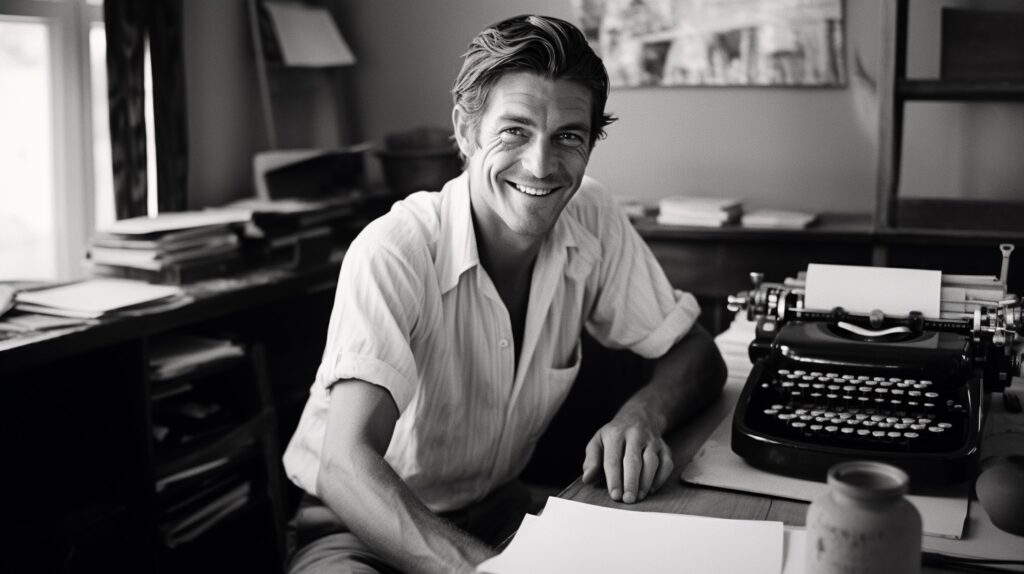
column 455, row 334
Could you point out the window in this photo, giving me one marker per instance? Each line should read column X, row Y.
column 56, row 185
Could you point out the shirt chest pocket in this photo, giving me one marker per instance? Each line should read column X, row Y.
column 550, row 392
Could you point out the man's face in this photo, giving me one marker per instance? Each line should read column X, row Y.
column 528, row 155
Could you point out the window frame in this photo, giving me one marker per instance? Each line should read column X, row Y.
column 69, row 23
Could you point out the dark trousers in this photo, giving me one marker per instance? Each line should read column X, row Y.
column 325, row 544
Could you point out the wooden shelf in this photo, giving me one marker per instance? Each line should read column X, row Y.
column 854, row 227
column 945, row 90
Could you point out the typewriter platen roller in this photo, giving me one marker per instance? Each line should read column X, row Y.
column 829, row 385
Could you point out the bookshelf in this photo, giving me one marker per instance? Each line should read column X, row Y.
column 85, row 483
column 895, row 215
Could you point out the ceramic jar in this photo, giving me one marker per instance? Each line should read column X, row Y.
column 864, row 524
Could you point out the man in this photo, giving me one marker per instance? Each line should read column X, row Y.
column 455, row 333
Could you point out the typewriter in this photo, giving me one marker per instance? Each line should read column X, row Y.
column 829, row 385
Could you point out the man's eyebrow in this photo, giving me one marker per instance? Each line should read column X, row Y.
column 526, row 121
column 575, row 126
column 518, row 119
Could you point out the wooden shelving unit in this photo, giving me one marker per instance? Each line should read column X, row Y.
column 896, row 91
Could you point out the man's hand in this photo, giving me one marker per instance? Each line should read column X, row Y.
column 635, row 459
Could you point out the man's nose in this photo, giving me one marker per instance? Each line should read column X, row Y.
column 538, row 159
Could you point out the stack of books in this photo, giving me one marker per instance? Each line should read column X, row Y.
column 699, row 211
column 173, row 248
column 198, row 498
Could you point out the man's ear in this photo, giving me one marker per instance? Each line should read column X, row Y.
column 463, row 131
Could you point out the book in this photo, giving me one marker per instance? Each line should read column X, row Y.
column 692, row 221
column 176, row 354
column 160, row 257
column 95, row 298
column 777, row 219
column 167, row 240
column 180, row 273
column 191, row 526
column 175, row 221
column 698, row 211
column 699, row 206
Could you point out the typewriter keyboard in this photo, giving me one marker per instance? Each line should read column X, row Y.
column 862, row 411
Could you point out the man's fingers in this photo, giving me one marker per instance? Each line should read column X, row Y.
column 632, row 464
column 592, row 461
column 612, row 444
column 651, row 464
column 665, row 467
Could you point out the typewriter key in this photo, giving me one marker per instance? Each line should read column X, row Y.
column 936, row 429
column 911, row 434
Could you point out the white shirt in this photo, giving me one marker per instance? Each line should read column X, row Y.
column 416, row 314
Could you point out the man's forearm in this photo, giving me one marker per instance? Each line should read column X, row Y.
column 379, row 508
column 686, row 378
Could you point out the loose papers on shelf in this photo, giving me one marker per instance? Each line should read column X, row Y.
column 575, row 537
column 94, row 298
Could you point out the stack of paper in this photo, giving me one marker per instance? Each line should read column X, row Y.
column 95, row 298
column 777, row 219
column 575, row 537
column 698, row 211
column 168, row 248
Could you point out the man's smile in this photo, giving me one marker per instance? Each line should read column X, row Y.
column 539, row 191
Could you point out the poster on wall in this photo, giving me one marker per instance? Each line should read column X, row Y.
column 717, row 42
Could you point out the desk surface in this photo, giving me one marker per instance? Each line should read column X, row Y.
column 681, row 498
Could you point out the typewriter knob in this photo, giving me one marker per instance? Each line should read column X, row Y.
column 876, row 318
column 756, row 277
column 736, row 303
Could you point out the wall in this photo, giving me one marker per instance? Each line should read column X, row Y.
column 781, row 147
column 226, row 121
column 798, row 148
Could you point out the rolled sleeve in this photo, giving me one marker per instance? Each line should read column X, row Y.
column 676, row 324
column 372, row 370
column 635, row 307
column 375, row 311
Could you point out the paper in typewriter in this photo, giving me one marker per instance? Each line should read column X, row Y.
column 860, row 289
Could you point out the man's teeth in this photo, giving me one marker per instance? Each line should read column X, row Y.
column 536, row 191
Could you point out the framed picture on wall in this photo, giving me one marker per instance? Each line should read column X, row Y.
column 717, row 42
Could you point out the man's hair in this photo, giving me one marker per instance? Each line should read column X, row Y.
column 543, row 45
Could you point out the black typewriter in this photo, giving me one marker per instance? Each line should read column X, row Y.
column 830, row 385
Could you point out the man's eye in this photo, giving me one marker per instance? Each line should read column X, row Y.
column 570, row 140
column 512, row 135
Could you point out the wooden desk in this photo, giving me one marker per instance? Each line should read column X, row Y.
column 681, row 498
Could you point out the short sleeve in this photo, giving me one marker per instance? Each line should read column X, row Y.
column 634, row 307
column 375, row 310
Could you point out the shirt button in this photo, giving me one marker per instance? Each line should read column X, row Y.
column 503, row 343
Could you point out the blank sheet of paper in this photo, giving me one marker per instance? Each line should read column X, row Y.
column 862, row 289
column 576, row 537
